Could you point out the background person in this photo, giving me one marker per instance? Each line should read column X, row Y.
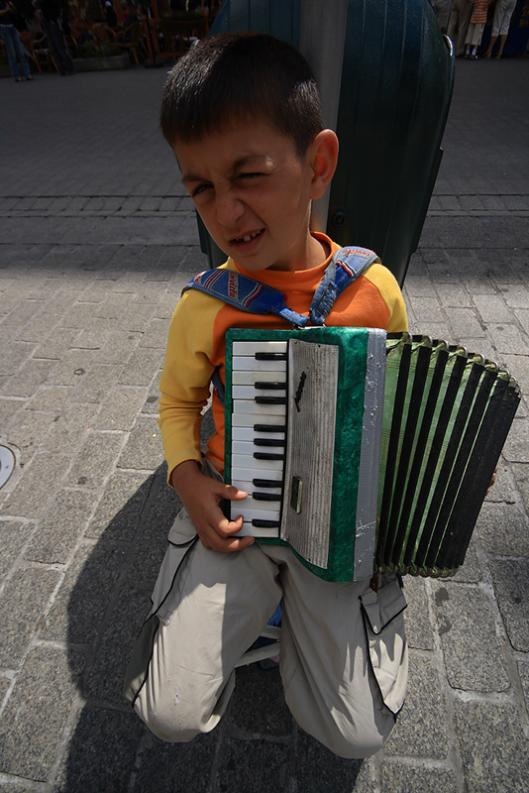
column 15, row 51
column 500, row 25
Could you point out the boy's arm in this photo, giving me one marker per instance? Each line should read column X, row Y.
column 184, row 388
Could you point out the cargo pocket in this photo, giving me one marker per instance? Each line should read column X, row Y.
column 383, row 617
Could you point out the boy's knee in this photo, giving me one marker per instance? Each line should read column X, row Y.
column 170, row 721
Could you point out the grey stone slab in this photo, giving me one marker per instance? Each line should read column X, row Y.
column 508, row 339
column 8, row 408
column 28, row 378
column 481, row 346
column 59, row 529
column 315, row 769
column 95, row 383
column 258, row 703
column 419, row 732
column 119, row 345
column 493, row 747
column 120, row 408
column 70, row 427
column 177, row 768
column 418, row 627
column 518, row 367
column 23, row 603
column 18, row 786
column 101, row 753
column 84, row 595
column 95, row 460
column 152, row 402
column 464, row 323
column 141, row 367
column 453, row 295
column 14, row 356
column 472, row 654
column 13, row 536
column 40, row 480
column 511, row 584
column 493, row 308
column 50, row 399
column 523, row 671
column 504, row 488
column 119, row 512
column 503, row 530
column 400, row 777
column 23, row 312
column 428, row 309
column 516, row 449
column 259, row 766
column 72, row 366
column 522, row 314
column 470, row 571
column 27, row 431
column 36, row 713
column 5, row 683
column 155, row 334
column 39, row 325
column 521, row 477
column 143, row 449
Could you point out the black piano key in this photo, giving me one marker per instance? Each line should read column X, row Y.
column 268, row 456
column 267, row 496
column 269, row 427
column 270, row 356
column 267, row 483
column 258, row 523
column 271, row 386
column 269, row 400
column 268, row 442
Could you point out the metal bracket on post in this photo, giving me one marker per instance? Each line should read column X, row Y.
column 322, row 41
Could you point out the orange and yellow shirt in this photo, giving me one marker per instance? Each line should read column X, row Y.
column 196, row 343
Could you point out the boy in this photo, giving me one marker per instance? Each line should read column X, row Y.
column 242, row 115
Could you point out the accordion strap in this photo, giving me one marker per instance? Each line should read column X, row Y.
column 253, row 297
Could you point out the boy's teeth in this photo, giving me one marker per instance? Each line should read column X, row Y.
column 249, row 237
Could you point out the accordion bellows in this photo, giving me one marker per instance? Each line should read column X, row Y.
column 363, row 451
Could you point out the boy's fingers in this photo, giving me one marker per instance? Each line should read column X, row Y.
column 231, row 492
column 226, row 528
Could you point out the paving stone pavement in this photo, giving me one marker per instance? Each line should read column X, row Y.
column 97, row 238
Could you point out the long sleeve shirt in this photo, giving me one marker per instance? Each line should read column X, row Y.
column 196, row 344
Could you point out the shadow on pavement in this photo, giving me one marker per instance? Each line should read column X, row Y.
column 255, row 748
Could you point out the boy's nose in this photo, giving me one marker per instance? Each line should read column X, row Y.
column 229, row 210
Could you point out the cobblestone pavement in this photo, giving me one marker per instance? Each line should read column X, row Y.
column 97, row 240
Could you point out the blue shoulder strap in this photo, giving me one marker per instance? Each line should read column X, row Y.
column 253, row 297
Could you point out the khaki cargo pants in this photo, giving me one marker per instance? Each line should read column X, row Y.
column 343, row 650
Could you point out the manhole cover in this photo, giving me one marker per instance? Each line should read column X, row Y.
column 7, row 464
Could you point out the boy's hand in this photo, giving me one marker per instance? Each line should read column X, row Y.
column 200, row 495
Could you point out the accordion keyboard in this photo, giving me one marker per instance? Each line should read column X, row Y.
column 259, row 394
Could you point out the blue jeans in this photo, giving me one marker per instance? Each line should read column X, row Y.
column 14, row 49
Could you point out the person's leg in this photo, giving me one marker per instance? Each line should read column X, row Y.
column 343, row 658
column 209, row 608
column 7, row 38
column 21, row 54
column 503, row 39
column 465, row 13
column 490, row 48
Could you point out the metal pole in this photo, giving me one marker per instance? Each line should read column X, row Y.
column 322, row 41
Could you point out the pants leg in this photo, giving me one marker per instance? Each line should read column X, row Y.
column 21, row 53
column 6, row 31
column 213, row 610
column 56, row 41
column 343, row 657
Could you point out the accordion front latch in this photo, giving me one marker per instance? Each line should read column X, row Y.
column 296, row 494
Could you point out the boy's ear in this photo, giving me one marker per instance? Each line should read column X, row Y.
column 323, row 155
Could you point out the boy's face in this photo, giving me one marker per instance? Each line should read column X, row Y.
column 253, row 192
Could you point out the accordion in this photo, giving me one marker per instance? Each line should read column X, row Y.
column 363, row 451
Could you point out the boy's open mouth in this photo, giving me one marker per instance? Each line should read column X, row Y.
column 247, row 238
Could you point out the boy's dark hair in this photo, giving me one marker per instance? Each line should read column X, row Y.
column 237, row 76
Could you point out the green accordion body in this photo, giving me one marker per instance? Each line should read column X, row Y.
column 363, row 451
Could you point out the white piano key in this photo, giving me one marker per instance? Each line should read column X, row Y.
column 251, row 347
column 251, row 406
column 272, row 508
column 249, row 463
column 247, row 447
column 243, row 474
column 246, row 363
column 248, row 486
column 250, row 419
column 249, row 434
column 255, row 514
column 250, row 531
column 251, row 377
column 250, row 391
